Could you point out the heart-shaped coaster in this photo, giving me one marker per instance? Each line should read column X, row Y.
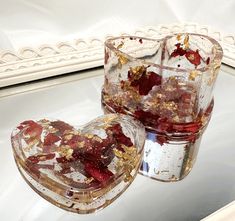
column 80, row 170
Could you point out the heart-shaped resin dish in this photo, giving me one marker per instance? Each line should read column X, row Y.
column 80, row 170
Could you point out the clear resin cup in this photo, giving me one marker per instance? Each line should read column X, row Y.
column 80, row 170
column 167, row 84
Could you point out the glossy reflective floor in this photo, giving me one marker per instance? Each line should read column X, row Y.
column 209, row 186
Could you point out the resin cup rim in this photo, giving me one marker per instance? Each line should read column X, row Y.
column 78, row 211
column 218, row 54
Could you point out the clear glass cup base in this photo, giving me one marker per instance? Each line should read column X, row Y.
column 168, row 162
column 170, row 157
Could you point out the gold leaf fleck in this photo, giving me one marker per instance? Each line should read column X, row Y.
column 81, row 144
column 178, row 37
column 68, row 136
column 98, row 139
column 186, row 42
column 121, row 60
column 120, row 45
column 89, row 136
column 193, row 75
column 66, row 151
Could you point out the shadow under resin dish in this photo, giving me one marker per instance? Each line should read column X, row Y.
column 80, row 170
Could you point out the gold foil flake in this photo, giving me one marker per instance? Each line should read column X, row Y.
column 44, row 121
column 172, row 78
column 89, row 136
column 193, row 75
column 121, row 60
column 98, row 139
column 66, row 151
column 68, row 136
column 176, row 119
column 109, row 118
column 159, row 95
column 178, row 37
column 88, row 180
column 52, row 130
column 128, row 160
column 81, row 144
column 31, row 144
column 73, row 132
column 191, row 57
column 118, row 153
column 153, row 104
column 137, row 71
column 186, row 42
column 170, row 105
column 120, row 45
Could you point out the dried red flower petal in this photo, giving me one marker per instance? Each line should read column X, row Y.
column 100, row 174
column 193, row 57
column 187, row 127
column 102, row 153
column 63, row 160
column 120, row 137
column 32, row 129
column 50, row 139
column 73, row 142
column 179, row 51
column 146, row 116
column 65, row 169
column 146, row 82
column 61, row 126
column 41, row 157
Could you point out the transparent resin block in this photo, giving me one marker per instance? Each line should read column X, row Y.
column 79, row 169
column 167, row 84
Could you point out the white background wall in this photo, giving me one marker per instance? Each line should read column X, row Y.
column 33, row 22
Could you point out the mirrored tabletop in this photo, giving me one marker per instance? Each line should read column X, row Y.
column 75, row 98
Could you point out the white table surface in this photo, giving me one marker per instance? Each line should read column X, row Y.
column 209, row 186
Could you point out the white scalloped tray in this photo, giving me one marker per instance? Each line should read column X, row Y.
column 50, row 60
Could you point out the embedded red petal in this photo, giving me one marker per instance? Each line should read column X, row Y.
column 50, row 139
column 179, row 51
column 146, row 82
column 146, row 117
column 41, row 157
column 120, row 137
column 73, row 142
column 61, row 126
column 98, row 173
column 193, row 57
column 32, row 129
